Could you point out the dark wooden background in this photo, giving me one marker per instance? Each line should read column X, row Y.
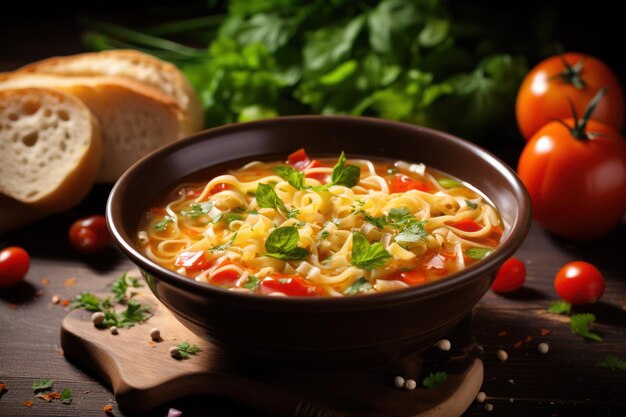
column 565, row 382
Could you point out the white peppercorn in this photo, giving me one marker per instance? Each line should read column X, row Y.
column 398, row 382
column 444, row 344
column 502, row 355
column 97, row 318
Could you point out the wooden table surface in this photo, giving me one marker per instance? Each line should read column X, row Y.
column 564, row 382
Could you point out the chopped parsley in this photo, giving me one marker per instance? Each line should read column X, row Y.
column 185, row 349
column 412, row 233
column 162, row 225
column 253, row 211
column 434, row 379
column 231, row 217
column 120, row 286
column 323, row 235
column 477, row 253
column 197, row 210
column 134, row 313
column 580, row 325
column 449, row 183
column 360, row 286
column 379, row 222
column 282, row 243
column 224, row 246
column 42, row 384
column 471, row 204
column 611, row 362
column 560, row 307
column 252, row 283
column 89, row 301
column 294, row 177
column 368, row 256
column 66, row 396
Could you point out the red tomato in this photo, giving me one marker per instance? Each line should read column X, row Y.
column 579, row 283
column 577, row 186
column 290, row 285
column 510, row 277
column 90, row 234
column 412, row 277
column 545, row 92
column 299, row 159
column 401, row 183
column 14, row 263
column 466, row 225
column 219, row 188
column 192, row 260
column 227, row 277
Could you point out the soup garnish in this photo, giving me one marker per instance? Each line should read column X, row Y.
column 321, row 227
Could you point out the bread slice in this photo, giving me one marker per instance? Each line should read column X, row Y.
column 135, row 118
column 134, row 65
column 50, row 148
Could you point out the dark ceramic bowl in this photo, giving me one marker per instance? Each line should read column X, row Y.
column 321, row 332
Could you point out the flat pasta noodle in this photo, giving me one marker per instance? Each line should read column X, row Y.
column 412, row 225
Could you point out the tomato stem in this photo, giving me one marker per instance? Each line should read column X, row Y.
column 572, row 73
column 579, row 130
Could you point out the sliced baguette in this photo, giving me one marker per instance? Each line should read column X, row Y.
column 135, row 118
column 50, row 149
column 133, row 65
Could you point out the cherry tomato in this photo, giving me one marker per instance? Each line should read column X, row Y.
column 192, row 260
column 579, row 282
column 510, row 277
column 290, row 285
column 90, row 234
column 14, row 263
column 545, row 92
column 401, row 183
column 576, row 177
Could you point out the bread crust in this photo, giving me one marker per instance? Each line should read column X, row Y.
column 183, row 93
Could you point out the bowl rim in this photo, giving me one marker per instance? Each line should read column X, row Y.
column 517, row 232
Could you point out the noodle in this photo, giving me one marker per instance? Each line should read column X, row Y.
column 412, row 228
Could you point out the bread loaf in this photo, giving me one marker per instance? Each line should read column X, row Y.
column 133, row 65
column 135, row 118
column 50, row 151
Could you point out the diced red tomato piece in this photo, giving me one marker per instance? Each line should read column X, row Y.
column 466, row 225
column 219, row 188
column 192, row 260
column 290, row 285
column 401, row 183
column 412, row 277
column 299, row 157
column 227, row 277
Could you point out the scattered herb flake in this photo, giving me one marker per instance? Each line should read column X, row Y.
column 612, row 362
column 89, row 301
column 477, row 253
column 360, row 286
column 42, row 384
column 162, row 225
column 27, row 403
column 560, row 307
column 135, row 313
column 471, row 204
column 231, row 217
column 449, row 183
column 379, row 222
column 185, row 349
column 197, row 210
column 253, row 211
column 66, row 396
column 121, row 285
column 580, row 325
column 224, row 246
column 323, row 235
column 435, row 379
column 368, row 256
column 252, row 283
column 413, row 233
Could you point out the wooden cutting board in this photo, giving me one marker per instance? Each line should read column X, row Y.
column 143, row 375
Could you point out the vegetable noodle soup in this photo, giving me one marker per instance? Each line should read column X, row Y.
column 321, row 227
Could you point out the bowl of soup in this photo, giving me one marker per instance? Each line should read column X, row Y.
column 319, row 241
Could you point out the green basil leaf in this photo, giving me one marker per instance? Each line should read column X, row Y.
column 346, row 175
column 294, row 177
column 368, row 256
